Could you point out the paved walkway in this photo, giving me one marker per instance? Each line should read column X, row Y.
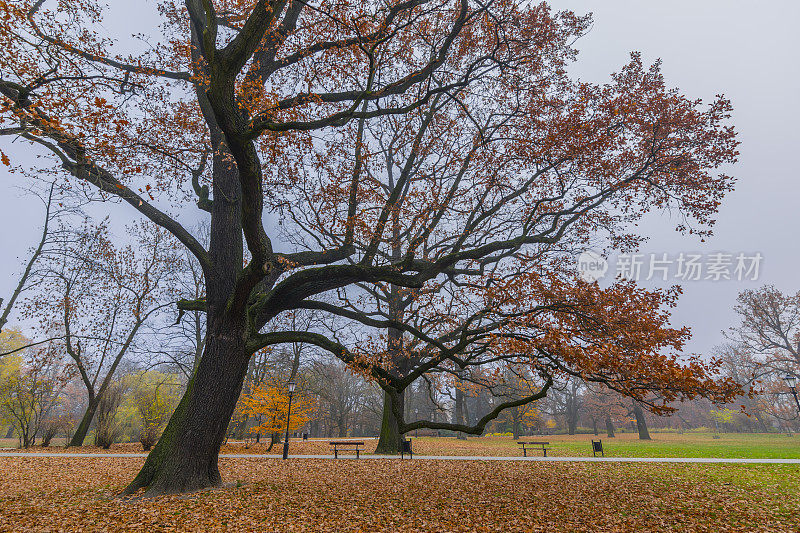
column 446, row 458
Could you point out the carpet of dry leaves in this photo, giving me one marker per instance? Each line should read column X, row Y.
column 80, row 494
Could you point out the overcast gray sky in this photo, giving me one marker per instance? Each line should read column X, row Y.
column 747, row 50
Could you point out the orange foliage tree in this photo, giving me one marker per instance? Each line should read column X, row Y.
column 269, row 405
column 499, row 164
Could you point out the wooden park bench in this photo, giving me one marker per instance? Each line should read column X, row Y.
column 533, row 445
column 346, row 446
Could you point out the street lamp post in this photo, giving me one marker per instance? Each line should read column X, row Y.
column 288, row 417
column 791, row 381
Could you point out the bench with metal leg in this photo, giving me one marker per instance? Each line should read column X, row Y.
column 533, row 445
column 346, row 446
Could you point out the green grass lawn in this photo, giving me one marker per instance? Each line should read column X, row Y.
column 728, row 445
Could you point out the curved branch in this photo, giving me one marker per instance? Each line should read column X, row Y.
column 478, row 428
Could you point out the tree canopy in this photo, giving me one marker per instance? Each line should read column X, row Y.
column 437, row 149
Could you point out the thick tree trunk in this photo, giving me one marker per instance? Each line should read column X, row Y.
column 185, row 458
column 572, row 406
column 609, row 427
column 573, row 426
column 572, row 414
column 390, row 439
column 641, row 423
column 571, row 423
column 515, row 428
column 83, row 428
column 458, row 415
column 594, row 426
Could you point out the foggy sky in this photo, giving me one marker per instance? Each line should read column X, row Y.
column 745, row 49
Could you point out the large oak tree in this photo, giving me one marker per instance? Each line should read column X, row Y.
column 259, row 109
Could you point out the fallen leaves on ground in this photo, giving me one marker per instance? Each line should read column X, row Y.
column 70, row 494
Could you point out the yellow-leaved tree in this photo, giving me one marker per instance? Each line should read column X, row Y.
column 156, row 395
column 30, row 386
column 10, row 372
column 10, row 366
